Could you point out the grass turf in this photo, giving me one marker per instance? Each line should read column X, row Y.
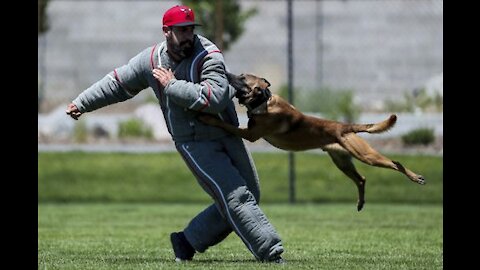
column 315, row 236
column 164, row 177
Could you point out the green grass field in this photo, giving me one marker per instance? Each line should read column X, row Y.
column 120, row 177
column 315, row 236
column 116, row 211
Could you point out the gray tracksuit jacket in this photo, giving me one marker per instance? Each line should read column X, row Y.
column 200, row 86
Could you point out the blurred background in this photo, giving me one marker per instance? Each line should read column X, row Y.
column 353, row 61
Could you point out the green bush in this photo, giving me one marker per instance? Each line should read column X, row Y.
column 80, row 132
column 134, row 128
column 418, row 99
column 423, row 136
column 405, row 105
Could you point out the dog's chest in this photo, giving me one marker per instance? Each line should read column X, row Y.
column 283, row 126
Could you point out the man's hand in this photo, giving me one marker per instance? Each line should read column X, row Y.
column 163, row 75
column 73, row 111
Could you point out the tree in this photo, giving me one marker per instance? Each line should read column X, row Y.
column 42, row 28
column 42, row 16
column 222, row 20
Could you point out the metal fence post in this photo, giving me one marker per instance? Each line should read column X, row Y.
column 291, row 156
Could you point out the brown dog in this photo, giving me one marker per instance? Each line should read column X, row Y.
column 283, row 126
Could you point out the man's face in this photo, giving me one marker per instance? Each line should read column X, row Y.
column 180, row 40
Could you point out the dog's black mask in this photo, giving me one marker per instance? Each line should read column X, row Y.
column 246, row 93
column 238, row 82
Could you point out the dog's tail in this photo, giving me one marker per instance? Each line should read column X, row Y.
column 372, row 128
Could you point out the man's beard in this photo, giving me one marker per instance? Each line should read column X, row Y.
column 184, row 49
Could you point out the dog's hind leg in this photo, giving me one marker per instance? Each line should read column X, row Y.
column 343, row 161
column 361, row 150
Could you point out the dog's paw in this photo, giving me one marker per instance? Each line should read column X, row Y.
column 360, row 205
column 421, row 180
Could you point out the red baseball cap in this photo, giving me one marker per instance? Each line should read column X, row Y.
column 179, row 16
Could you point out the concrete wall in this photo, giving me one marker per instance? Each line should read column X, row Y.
column 379, row 49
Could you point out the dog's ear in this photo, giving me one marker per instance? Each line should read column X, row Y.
column 267, row 82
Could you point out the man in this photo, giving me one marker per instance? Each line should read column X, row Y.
column 187, row 74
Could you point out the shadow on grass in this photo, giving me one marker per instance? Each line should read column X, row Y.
column 142, row 260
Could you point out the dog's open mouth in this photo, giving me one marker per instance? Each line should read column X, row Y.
column 246, row 95
column 243, row 92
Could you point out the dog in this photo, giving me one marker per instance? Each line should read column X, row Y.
column 283, row 126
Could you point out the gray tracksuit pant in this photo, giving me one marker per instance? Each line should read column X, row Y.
column 235, row 191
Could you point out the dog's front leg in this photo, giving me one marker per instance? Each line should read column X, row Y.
column 245, row 133
column 248, row 134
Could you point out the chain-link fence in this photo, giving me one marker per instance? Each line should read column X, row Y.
column 379, row 50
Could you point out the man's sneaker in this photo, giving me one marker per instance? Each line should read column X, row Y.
column 181, row 247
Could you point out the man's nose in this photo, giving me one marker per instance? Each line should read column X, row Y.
column 186, row 39
column 187, row 34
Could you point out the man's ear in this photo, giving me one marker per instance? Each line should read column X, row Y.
column 165, row 29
